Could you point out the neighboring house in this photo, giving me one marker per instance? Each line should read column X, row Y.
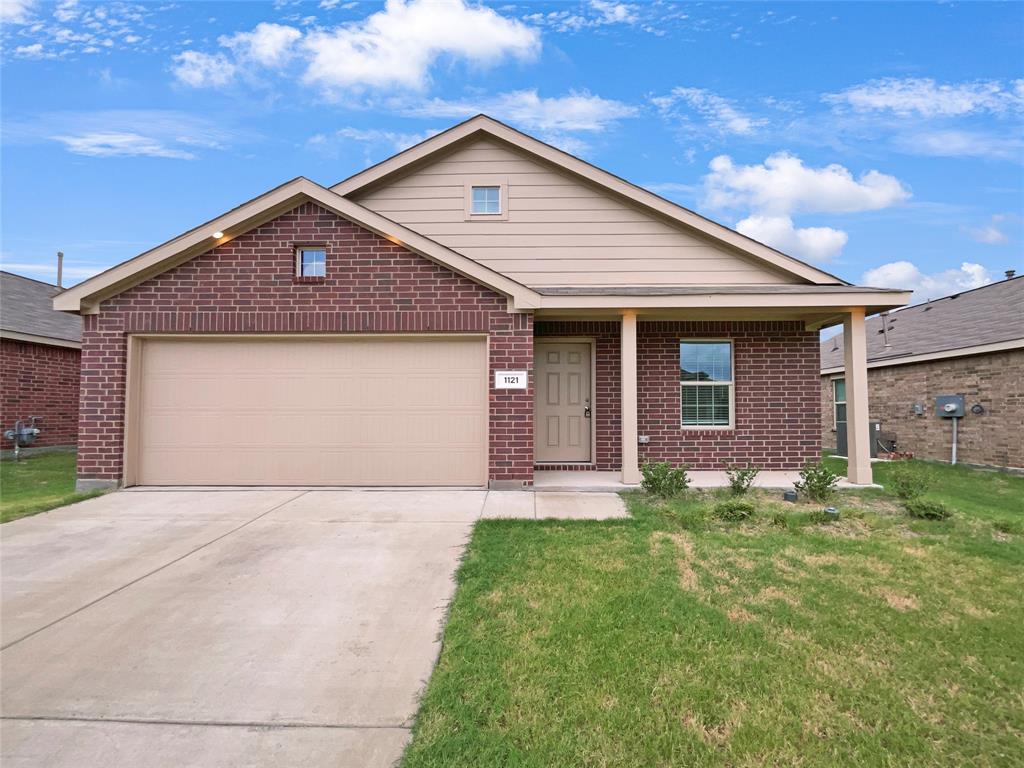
column 40, row 353
column 473, row 307
column 970, row 344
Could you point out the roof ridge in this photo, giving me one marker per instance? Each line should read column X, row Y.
column 25, row 277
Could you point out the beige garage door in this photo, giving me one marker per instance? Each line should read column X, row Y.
column 325, row 411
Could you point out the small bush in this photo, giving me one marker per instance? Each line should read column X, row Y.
column 740, row 478
column 780, row 520
column 735, row 510
column 924, row 509
column 664, row 480
column 908, row 482
column 817, row 482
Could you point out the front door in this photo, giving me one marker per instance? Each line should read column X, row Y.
column 562, row 405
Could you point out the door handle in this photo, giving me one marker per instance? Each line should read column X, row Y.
column 586, row 412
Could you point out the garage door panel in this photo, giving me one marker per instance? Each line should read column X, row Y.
column 313, row 412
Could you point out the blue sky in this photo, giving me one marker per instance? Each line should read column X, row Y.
column 883, row 142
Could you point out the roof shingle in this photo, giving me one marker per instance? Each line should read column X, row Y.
column 26, row 306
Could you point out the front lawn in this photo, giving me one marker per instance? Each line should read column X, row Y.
column 37, row 484
column 676, row 639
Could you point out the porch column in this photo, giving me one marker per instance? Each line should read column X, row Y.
column 858, row 437
column 630, row 459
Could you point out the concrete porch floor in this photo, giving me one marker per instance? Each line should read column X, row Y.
column 587, row 481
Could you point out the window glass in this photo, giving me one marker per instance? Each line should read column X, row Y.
column 705, row 373
column 312, row 262
column 840, row 385
column 486, row 200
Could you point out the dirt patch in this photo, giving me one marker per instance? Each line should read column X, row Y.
column 915, row 551
column 713, row 735
column 819, row 560
column 769, row 594
column 740, row 614
column 741, row 562
column 902, row 603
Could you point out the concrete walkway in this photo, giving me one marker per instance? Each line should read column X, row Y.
column 233, row 628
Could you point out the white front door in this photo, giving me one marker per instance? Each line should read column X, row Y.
column 562, row 402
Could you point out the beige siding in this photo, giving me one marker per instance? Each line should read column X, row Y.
column 559, row 231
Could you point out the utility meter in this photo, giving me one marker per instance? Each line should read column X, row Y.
column 949, row 406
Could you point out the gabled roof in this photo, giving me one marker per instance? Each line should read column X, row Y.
column 27, row 314
column 482, row 125
column 971, row 322
column 85, row 296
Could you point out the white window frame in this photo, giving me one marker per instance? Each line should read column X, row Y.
column 731, row 384
column 488, row 181
column 835, row 401
column 298, row 259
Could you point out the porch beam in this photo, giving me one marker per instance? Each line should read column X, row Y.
column 630, row 456
column 858, row 436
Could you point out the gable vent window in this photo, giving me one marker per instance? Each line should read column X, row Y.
column 486, row 201
column 311, row 262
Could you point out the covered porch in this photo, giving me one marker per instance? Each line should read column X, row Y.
column 638, row 398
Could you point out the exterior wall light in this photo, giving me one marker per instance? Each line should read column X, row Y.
column 218, row 234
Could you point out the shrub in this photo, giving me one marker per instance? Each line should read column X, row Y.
column 817, row 482
column 740, row 478
column 907, row 481
column 780, row 520
column 664, row 480
column 924, row 509
column 735, row 510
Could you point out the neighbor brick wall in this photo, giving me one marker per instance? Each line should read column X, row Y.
column 248, row 286
column 40, row 380
column 778, row 406
column 995, row 381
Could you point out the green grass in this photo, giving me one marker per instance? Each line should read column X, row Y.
column 37, row 484
column 677, row 639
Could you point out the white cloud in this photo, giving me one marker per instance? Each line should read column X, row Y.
column 398, row 46
column 813, row 243
column 719, row 113
column 33, row 51
column 125, row 133
column 904, row 274
column 111, row 144
column 269, row 45
column 783, row 185
column 394, row 140
column 927, row 98
column 614, row 13
column 578, row 111
column 201, row 70
column 961, row 143
column 991, row 233
column 16, row 11
column 66, row 11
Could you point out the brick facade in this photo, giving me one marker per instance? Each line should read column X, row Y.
column 778, row 406
column 995, row 381
column 40, row 380
column 248, row 285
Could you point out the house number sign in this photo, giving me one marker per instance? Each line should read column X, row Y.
column 510, row 379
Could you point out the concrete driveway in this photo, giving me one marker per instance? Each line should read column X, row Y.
column 233, row 628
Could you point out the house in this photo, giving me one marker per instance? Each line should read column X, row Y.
column 969, row 344
column 473, row 307
column 40, row 350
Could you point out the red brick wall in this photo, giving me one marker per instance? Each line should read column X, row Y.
column 248, row 285
column 995, row 381
column 40, row 380
column 778, row 406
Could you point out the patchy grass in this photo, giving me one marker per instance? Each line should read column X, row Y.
column 677, row 638
column 37, row 484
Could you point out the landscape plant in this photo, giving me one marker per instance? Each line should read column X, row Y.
column 735, row 510
column 817, row 482
column 741, row 478
column 663, row 480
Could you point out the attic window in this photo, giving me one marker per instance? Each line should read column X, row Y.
column 311, row 261
column 486, row 201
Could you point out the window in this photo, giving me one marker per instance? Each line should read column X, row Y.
column 705, row 382
column 311, row 262
column 839, row 398
column 485, row 201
